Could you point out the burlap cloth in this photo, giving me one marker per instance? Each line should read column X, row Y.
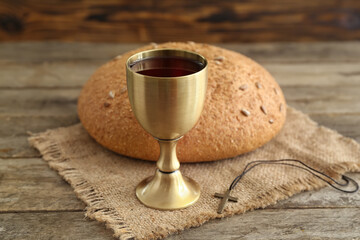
column 106, row 181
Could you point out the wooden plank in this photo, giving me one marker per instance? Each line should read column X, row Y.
column 291, row 52
column 320, row 74
column 16, row 147
column 22, row 177
column 60, row 102
column 71, row 74
column 16, row 126
column 29, row 185
column 291, row 224
column 324, row 198
column 51, row 225
column 40, row 52
column 67, row 74
column 345, row 124
column 322, row 106
column 36, row 102
column 217, row 21
column 340, row 99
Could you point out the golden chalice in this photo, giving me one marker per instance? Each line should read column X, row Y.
column 167, row 90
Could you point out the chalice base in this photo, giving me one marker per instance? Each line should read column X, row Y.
column 168, row 191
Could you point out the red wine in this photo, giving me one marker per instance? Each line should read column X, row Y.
column 166, row 72
column 167, row 66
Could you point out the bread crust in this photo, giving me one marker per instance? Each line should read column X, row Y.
column 244, row 108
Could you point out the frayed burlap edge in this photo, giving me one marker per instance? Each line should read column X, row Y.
column 97, row 208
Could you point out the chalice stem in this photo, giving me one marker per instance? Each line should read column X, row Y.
column 168, row 161
column 168, row 188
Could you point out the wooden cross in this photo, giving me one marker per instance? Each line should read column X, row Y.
column 225, row 197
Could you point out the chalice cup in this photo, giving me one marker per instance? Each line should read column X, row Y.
column 167, row 89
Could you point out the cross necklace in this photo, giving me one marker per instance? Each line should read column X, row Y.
column 225, row 197
column 287, row 162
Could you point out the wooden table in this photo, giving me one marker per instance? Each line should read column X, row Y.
column 39, row 86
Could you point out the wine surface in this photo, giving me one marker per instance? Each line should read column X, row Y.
column 166, row 66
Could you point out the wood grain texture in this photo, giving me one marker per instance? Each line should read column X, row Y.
column 62, row 102
column 335, row 74
column 214, row 21
column 21, row 125
column 288, row 224
column 51, row 225
column 17, row 147
column 46, row 75
column 270, row 224
column 52, row 51
column 323, row 198
column 25, row 185
column 346, row 124
column 74, row 74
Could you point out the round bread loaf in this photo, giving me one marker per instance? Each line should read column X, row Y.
column 244, row 108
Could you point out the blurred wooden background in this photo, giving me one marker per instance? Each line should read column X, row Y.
column 170, row 20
